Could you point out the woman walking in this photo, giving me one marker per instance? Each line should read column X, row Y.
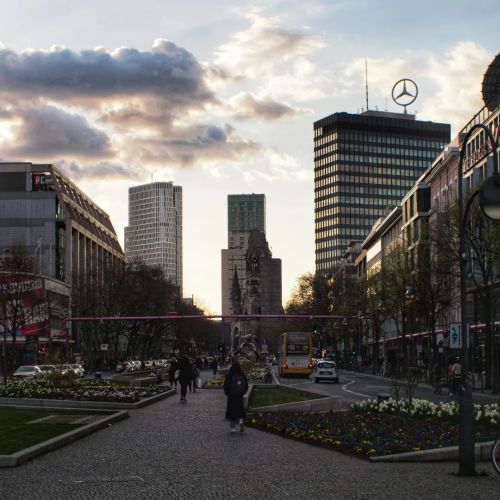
column 185, row 376
column 235, row 387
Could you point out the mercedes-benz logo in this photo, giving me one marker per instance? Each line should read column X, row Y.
column 404, row 92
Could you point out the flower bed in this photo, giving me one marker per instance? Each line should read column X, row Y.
column 488, row 415
column 253, row 375
column 367, row 430
column 78, row 390
column 215, row 383
column 256, row 374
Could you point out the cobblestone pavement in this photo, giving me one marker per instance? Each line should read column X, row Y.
column 185, row 451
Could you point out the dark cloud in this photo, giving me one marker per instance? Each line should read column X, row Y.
column 167, row 71
column 144, row 99
column 191, row 144
column 247, row 106
column 47, row 131
column 101, row 171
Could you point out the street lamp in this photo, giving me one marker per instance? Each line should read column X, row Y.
column 490, row 204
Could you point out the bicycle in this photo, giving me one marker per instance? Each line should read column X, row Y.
column 495, row 455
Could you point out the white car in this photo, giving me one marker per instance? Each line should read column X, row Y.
column 77, row 370
column 326, row 370
column 28, row 372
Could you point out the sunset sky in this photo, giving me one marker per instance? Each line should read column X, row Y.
column 220, row 97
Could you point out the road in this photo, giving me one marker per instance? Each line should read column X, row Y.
column 354, row 387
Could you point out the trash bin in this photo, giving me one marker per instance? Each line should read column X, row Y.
column 383, row 396
column 98, row 375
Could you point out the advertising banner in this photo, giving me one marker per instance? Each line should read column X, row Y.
column 25, row 305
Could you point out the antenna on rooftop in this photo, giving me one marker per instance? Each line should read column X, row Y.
column 366, row 83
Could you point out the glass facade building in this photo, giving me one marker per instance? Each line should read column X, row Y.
column 363, row 164
column 246, row 212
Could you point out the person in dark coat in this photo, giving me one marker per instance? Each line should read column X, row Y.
column 174, row 365
column 235, row 386
column 185, row 376
column 214, row 366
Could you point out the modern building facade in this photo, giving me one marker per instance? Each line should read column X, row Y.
column 154, row 231
column 63, row 230
column 65, row 236
column 244, row 213
column 362, row 165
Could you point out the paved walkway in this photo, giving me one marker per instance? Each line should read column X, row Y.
column 174, row 451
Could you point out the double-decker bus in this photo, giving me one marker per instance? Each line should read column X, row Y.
column 295, row 354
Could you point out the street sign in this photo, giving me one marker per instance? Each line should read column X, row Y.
column 455, row 335
column 104, row 347
column 263, row 348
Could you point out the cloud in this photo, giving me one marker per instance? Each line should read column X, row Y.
column 148, row 102
column 60, row 74
column 263, row 45
column 100, row 171
column 47, row 131
column 187, row 145
column 246, row 106
column 457, row 77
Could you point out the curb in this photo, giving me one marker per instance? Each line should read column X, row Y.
column 64, row 403
column 38, row 449
column 475, row 393
column 451, row 453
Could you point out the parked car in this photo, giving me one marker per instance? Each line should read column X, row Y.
column 47, row 369
column 77, row 370
column 326, row 370
column 63, row 369
column 32, row 372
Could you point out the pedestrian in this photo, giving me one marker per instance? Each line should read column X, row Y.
column 456, row 376
column 199, row 363
column 205, row 363
column 174, row 366
column 235, row 386
column 196, row 374
column 185, row 376
column 214, row 366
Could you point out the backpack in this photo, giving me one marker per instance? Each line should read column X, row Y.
column 238, row 386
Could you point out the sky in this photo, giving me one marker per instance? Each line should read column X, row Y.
column 220, row 97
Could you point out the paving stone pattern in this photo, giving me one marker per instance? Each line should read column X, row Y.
column 185, row 451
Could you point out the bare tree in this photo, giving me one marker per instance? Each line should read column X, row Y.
column 22, row 301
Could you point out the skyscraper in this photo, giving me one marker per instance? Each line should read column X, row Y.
column 154, row 231
column 244, row 213
column 362, row 165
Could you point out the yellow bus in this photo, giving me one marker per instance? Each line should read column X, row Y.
column 295, row 354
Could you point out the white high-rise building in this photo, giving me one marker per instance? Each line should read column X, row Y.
column 154, row 231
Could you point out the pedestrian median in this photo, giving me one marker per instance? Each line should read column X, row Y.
column 302, row 401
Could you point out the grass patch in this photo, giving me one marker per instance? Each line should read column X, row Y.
column 16, row 434
column 273, row 396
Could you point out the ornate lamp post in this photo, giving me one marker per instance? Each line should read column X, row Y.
column 490, row 204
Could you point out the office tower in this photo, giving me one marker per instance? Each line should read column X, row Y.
column 154, row 231
column 244, row 213
column 364, row 164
